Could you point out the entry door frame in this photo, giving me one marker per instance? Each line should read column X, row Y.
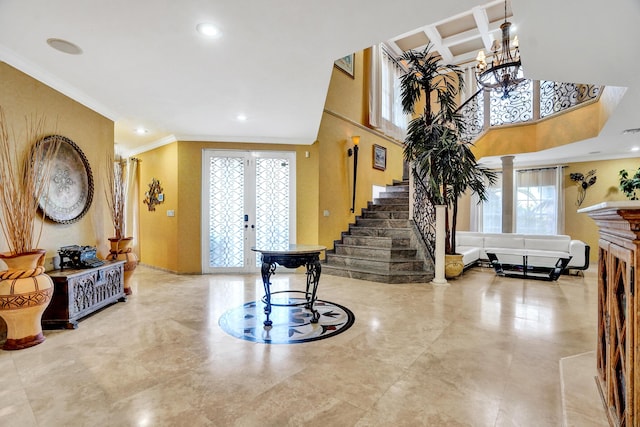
column 250, row 157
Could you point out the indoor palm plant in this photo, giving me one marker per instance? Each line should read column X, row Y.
column 442, row 160
column 25, row 291
column 116, row 195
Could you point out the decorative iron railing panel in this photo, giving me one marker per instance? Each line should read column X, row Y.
column 473, row 113
column 556, row 97
column 522, row 106
column 517, row 108
column 424, row 216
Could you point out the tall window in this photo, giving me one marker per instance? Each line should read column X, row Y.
column 492, row 209
column 537, row 203
column 385, row 107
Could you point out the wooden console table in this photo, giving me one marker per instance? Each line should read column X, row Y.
column 80, row 292
column 617, row 355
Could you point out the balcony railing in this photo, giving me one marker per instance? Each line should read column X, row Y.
column 534, row 100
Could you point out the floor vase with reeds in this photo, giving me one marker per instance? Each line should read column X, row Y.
column 121, row 250
column 25, row 292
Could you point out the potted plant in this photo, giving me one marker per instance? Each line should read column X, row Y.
column 630, row 185
column 116, row 194
column 25, row 291
column 441, row 159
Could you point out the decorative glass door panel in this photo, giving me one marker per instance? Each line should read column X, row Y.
column 226, row 211
column 273, row 194
column 248, row 200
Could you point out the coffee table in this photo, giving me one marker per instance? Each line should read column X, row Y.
column 528, row 264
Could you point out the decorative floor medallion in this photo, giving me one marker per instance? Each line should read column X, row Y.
column 291, row 325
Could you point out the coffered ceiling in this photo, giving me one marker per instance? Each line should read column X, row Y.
column 458, row 38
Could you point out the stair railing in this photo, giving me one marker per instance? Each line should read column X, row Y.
column 423, row 212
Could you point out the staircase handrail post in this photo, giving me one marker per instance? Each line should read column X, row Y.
column 412, row 191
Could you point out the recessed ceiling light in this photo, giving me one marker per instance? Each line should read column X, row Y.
column 595, row 152
column 208, row 30
column 630, row 131
column 64, row 46
column 141, row 131
column 241, row 117
column 635, row 148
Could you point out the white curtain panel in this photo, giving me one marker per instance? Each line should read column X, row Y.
column 385, row 107
column 537, row 201
column 470, row 84
column 131, row 205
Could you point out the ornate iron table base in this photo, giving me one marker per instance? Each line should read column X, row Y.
column 294, row 257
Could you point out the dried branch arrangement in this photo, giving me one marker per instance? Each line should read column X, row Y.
column 25, row 170
column 116, row 192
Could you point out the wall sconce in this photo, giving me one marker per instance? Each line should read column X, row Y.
column 354, row 153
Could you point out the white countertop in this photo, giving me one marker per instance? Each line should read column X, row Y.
column 626, row 204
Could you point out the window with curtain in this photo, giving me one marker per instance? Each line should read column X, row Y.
column 538, row 203
column 385, row 107
column 492, row 209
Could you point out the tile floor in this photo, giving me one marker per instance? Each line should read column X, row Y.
column 483, row 351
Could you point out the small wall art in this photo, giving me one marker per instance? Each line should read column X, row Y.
column 346, row 64
column 154, row 196
column 379, row 157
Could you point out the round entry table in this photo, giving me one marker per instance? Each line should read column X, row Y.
column 291, row 256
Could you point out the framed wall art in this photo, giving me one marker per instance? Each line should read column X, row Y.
column 346, row 64
column 379, row 157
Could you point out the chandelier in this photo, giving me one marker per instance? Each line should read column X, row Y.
column 505, row 71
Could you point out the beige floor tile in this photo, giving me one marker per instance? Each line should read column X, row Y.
column 482, row 351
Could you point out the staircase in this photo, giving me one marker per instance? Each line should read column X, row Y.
column 382, row 246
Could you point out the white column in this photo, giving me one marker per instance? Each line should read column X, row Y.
column 507, row 194
column 439, row 278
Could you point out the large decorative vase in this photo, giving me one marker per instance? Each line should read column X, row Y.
column 25, row 292
column 453, row 266
column 121, row 250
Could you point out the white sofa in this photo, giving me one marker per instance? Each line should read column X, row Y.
column 472, row 246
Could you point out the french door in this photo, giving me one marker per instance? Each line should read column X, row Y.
column 248, row 200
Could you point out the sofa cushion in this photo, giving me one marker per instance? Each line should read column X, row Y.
column 463, row 239
column 560, row 245
column 505, row 241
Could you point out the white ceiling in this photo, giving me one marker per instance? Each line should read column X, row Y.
column 144, row 64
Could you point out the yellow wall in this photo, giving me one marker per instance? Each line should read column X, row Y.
column 23, row 96
column 581, row 226
column 336, row 174
column 158, row 233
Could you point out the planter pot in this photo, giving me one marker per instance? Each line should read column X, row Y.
column 121, row 250
column 25, row 292
column 453, row 266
